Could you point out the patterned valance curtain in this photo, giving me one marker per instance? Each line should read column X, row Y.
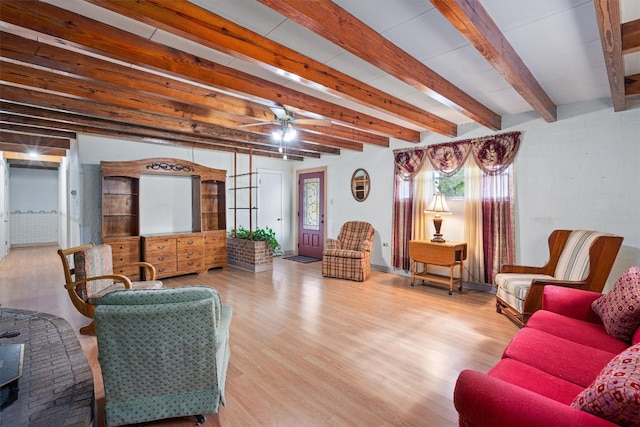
column 407, row 164
column 492, row 153
column 449, row 157
column 495, row 153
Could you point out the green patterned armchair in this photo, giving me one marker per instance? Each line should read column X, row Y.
column 163, row 353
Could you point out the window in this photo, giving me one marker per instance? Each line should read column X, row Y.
column 451, row 187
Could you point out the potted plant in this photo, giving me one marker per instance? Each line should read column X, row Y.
column 253, row 251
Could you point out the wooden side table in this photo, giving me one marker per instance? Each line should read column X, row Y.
column 447, row 254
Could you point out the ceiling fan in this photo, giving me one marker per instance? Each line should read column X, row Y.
column 286, row 132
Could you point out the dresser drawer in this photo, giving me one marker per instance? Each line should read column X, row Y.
column 160, row 245
column 215, row 239
column 165, row 267
column 190, row 243
column 133, row 273
column 192, row 264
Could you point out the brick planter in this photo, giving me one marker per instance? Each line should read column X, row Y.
column 249, row 255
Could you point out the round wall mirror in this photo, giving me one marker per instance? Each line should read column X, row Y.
column 360, row 185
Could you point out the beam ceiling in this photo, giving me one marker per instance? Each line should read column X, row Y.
column 65, row 71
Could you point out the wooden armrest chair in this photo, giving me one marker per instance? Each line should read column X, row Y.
column 578, row 259
column 348, row 256
column 92, row 277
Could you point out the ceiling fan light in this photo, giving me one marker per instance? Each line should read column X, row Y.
column 289, row 134
column 276, row 135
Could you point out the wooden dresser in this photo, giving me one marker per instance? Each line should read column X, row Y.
column 125, row 250
column 174, row 254
column 194, row 251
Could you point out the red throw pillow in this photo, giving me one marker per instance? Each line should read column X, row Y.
column 620, row 308
column 615, row 394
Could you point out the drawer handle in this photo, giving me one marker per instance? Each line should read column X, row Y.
column 190, row 263
column 161, row 258
column 189, row 253
column 190, row 242
column 161, row 270
column 121, row 247
column 121, row 259
column 161, row 247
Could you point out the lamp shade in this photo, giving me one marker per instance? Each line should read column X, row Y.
column 438, row 205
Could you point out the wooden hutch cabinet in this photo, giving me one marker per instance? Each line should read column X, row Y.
column 171, row 253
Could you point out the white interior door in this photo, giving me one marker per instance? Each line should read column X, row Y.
column 270, row 201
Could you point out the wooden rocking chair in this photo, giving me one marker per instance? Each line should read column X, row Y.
column 92, row 277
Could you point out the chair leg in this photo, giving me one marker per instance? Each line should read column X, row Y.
column 200, row 419
column 90, row 329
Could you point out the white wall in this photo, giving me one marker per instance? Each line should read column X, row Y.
column 94, row 149
column 4, row 207
column 34, row 206
column 579, row 172
column 63, row 200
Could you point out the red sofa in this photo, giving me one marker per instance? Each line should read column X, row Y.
column 558, row 354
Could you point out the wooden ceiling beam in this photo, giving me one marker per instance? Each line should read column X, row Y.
column 127, row 115
column 33, row 164
column 112, row 94
column 472, row 21
column 34, row 130
column 330, row 21
column 58, row 59
column 631, row 37
column 347, row 133
column 18, row 113
column 96, row 37
column 34, row 140
column 608, row 17
column 28, row 149
column 201, row 26
column 314, row 138
column 28, row 51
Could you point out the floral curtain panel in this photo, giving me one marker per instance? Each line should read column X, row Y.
column 407, row 164
column 493, row 154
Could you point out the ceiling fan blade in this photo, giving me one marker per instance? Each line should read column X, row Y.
column 246, row 125
column 280, row 112
column 315, row 122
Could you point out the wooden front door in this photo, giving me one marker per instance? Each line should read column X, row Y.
column 311, row 214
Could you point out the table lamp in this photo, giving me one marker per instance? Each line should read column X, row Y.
column 437, row 206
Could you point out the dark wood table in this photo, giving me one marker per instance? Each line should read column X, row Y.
column 56, row 385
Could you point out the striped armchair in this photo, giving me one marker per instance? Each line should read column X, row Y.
column 578, row 259
column 348, row 256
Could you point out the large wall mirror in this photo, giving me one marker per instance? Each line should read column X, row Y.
column 360, row 185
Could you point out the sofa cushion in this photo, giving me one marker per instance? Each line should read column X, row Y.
column 620, row 308
column 512, row 288
column 579, row 331
column 577, row 363
column 535, row 380
column 615, row 393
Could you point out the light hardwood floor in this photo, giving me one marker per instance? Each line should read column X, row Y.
column 311, row 351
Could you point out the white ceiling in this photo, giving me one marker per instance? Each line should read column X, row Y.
column 557, row 39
